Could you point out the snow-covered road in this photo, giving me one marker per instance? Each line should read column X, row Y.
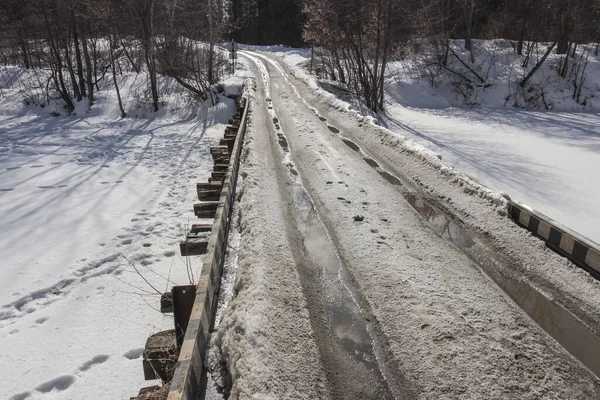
column 318, row 179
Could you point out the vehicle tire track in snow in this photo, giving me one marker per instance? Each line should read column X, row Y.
column 341, row 327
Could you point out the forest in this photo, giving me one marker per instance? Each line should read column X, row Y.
column 77, row 43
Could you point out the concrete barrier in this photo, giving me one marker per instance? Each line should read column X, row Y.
column 581, row 251
column 185, row 384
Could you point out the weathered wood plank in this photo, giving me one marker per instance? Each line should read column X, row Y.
column 220, row 167
column 196, row 228
column 206, row 209
column 209, row 185
column 227, row 142
column 217, row 175
column 209, row 195
column 219, row 150
column 193, row 247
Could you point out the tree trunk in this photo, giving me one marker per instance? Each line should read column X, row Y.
column 537, row 66
column 76, row 91
column 446, row 52
column 88, row 71
column 95, row 64
column 563, row 37
column 24, row 51
column 564, row 69
column 114, row 75
column 469, row 23
column 150, row 57
column 521, row 40
column 79, row 62
column 211, row 78
column 150, row 62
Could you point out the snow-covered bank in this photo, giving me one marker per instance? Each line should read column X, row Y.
column 80, row 197
column 548, row 160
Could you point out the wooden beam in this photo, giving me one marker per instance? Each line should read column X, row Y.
column 193, row 247
column 209, row 195
column 206, row 209
column 197, row 228
column 208, row 186
column 217, row 176
column 220, row 167
column 209, row 191
column 219, row 150
column 227, row 142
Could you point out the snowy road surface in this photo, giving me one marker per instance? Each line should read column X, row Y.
column 77, row 195
column 324, row 221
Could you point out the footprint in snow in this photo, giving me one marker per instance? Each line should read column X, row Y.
column 36, row 166
column 60, row 383
column 12, row 168
column 7, row 190
column 99, row 359
column 21, row 396
column 40, row 321
column 134, row 354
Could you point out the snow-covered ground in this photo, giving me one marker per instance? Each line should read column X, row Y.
column 549, row 160
column 92, row 209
